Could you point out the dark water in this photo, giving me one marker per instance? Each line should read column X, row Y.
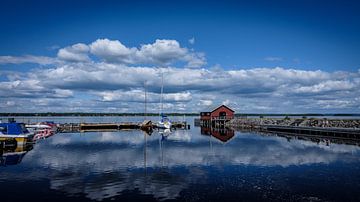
column 182, row 165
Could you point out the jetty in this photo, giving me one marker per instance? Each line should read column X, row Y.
column 336, row 128
column 97, row 127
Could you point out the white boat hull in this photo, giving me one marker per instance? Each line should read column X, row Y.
column 164, row 125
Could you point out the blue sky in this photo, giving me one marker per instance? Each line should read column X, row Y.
column 229, row 37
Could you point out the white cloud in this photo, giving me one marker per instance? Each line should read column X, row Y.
column 139, row 96
column 195, row 60
column 162, row 52
column 60, row 93
column 112, row 51
column 75, row 53
column 205, row 103
column 42, row 60
column 104, row 84
column 327, row 86
column 247, row 90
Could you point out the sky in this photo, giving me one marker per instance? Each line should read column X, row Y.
column 255, row 57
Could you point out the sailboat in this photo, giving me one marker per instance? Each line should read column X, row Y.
column 164, row 122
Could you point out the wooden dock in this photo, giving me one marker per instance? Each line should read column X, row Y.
column 96, row 127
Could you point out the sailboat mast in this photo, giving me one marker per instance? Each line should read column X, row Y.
column 161, row 95
column 145, row 101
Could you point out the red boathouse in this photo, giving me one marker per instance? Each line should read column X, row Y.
column 217, row 117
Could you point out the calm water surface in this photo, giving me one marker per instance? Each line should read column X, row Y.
column 184, row 165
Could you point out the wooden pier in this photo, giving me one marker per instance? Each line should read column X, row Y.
column 96, row 127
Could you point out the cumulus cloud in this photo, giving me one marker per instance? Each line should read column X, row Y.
column 162, row 52
column 326, row 86
column 75, row 53
column 112, row 51
column 243, row 89
column 139, row 96
column 119, row 76
column 31, row 88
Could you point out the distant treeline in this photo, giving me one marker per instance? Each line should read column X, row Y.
column 94, row 114
column 155, row 114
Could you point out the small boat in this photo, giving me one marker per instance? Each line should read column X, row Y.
column 164, row 123
column 15, row 131
column 42, row 130
column 38, row 126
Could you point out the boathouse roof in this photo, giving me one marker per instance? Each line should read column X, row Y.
column 222, row 106
column 214, row 108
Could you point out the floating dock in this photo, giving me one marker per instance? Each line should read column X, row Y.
column 96, row 127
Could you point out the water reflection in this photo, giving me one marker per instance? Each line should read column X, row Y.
column 12, row 153
column 168, row 164
column 221, row 133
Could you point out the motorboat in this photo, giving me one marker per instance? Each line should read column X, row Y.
column 42, row 130
column 15, row 131
column 36, row 127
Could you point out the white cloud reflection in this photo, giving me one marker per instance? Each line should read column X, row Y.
column 104, row 165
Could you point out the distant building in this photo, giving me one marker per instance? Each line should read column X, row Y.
column 216, row 117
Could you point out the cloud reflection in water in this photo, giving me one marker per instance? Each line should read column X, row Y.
column 104, row 165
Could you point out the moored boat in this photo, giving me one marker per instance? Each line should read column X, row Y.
column 42, row 130
column 164, row 123
column 15, row 131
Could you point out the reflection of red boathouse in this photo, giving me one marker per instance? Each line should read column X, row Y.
column 222, row 134
column 217, row 117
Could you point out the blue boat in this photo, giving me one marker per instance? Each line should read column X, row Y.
column 15, row 131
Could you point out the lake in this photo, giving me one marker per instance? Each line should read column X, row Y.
column 185, row 165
